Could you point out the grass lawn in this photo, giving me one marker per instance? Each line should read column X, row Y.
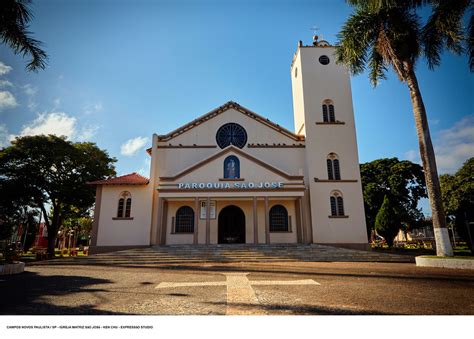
column 30, row 256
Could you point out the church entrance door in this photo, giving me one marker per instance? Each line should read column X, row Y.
column 231, row 226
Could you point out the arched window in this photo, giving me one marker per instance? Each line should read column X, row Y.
column 278, row 219
column 184, row 220
column 120, row 208
column 332, row 117
column 337, row 204
column 332, row 164
column 231, row 167
column 328, row 111
column 340, row 206
column 125, row 200
column 325, row 113
column 128, row 207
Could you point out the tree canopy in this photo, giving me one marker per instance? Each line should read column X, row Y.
column 387, row 221
column 384, row 33
column 52, row 172
column 401, row 182
column 458, row 196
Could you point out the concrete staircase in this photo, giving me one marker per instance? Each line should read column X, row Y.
column 191, row 254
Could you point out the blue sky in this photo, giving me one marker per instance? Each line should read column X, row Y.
column 121, row 70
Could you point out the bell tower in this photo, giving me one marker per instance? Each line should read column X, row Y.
column 323, row 113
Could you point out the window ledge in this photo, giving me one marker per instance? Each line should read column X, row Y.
column 129, row 218
column 182, row 233
column 338, row 216
column 330, row 123
column 229, row 179
column 328, row 180
column 281, row 232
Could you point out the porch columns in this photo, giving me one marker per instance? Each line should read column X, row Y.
column 208, row 221
column 255, row 221
column 159, row 223
column 307, row 225
column 267, row 223
column 196, row 220
column 164, row 221
column 299, row 219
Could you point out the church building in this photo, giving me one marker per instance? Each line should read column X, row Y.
column 232, row 176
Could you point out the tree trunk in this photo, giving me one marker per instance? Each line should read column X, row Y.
column 443, row 244
column 49, row 227
column 53, row 231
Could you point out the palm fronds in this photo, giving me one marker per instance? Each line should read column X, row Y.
column 14, row 18
column 444, row 29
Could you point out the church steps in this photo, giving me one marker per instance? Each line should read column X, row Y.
column 188, row 254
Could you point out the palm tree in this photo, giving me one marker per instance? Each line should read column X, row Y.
column 388, row 33
column 444, row 29
column 14, row 18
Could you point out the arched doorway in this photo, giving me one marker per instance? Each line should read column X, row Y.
column 231, row 226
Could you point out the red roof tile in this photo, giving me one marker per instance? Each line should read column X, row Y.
column 127, row 179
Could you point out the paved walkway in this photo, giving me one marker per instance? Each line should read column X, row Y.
column 239, row 288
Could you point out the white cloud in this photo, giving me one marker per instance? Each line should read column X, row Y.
column 57, row 123
column 87, row 132
column 453, row 146
column 145, row 169
column 98, row 107
column 143, row 172
column 5, row 83
column 31, row 91
column 132, row 146
column 7, row 100
column 89, row 109
column 413, row 156
column 4, row 69
column 56, row 103
column 4, row 136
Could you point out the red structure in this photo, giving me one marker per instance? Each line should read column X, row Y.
column 41, row 239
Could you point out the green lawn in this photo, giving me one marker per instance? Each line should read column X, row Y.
column 30, row 256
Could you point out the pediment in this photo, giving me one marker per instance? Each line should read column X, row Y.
column 238, row 109
column 251, row 169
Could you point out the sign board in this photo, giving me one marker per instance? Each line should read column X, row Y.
column 212, row 209
column 231, row 185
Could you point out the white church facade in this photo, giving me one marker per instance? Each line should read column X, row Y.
column 232, row 176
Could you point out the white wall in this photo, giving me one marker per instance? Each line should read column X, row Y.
column 314, row 84
column 174, row 160
column 134, row 232
column 247, row 208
